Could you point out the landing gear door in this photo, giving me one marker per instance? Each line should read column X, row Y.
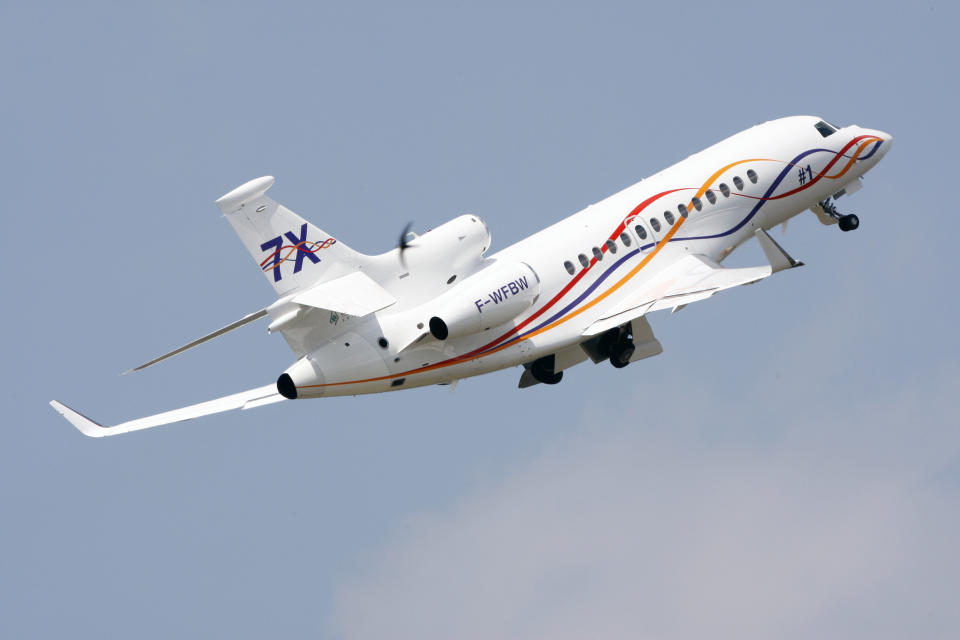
column 644, row 343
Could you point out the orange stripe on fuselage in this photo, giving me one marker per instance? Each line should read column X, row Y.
column 867, row 140
column 646, row 260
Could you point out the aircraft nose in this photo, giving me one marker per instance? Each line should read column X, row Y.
column 876, row 150
column 887, row 143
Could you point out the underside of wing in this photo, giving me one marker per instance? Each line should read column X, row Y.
column 244, row 400
column 692, row 278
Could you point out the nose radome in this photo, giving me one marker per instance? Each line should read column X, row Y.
column 887, row 143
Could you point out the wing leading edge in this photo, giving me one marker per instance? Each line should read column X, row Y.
column 244, row 400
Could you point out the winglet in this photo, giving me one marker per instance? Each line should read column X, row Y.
column 86, row 426
column 779, row 259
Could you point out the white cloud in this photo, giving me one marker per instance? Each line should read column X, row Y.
column 842, row 523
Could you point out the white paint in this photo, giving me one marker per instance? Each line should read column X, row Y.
column 385, row 345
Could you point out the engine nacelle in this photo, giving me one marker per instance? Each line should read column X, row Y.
column 486, row 299
column 455, row 246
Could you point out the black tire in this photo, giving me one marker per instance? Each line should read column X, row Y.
column 608, row 343
column 542, row 374
column 549, row 378
column 849, row 222
column 622, row 353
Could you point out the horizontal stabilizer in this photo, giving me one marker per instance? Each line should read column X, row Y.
column 355, row 294
column 243, row 400
column 210, row 336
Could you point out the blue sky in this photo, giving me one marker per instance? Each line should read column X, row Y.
column 789, row 466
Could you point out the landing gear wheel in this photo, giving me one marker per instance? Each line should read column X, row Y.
column 848, row 222
column 622, row 353
column 549, row 378
column 609, row 342
column 545, row 375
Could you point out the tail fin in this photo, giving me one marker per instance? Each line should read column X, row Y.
column 292, row 253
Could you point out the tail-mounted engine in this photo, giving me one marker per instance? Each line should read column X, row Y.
column 486, row 299
column 456, row 246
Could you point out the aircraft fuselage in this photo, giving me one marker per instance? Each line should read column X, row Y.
column 707, row 204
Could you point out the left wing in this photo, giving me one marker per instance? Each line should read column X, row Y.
column 247, row 319
column 356, row 294
column 690, row 279
column 243, row 400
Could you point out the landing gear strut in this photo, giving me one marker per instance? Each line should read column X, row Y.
column 847, row 222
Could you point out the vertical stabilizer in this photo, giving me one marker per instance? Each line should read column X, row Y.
column 292, row 253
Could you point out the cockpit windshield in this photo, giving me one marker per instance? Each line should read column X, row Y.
column 825, row 128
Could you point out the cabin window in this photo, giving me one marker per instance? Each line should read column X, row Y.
column 752, row 175
column 641, row 232
column 655, row 224
column 711, row 197
column 569, row 267
column 668, row 217
column 611, row 246
column 738, row 183
column 697, row 204
column 724, row 189
column 597, row 254
column 625, row 238
column 583, row 260
column 825, row 128
column 683, row 210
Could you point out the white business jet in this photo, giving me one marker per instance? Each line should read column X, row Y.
column 437, row 308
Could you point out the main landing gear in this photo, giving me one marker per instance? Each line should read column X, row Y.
column 847, row 222
column 542, row 370
column 617, row 346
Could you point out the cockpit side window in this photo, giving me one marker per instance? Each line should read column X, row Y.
column 825, row 128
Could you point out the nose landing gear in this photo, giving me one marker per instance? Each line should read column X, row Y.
column 847, row 222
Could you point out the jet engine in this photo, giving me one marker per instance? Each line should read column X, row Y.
column 486, row 299
column 457, row 246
